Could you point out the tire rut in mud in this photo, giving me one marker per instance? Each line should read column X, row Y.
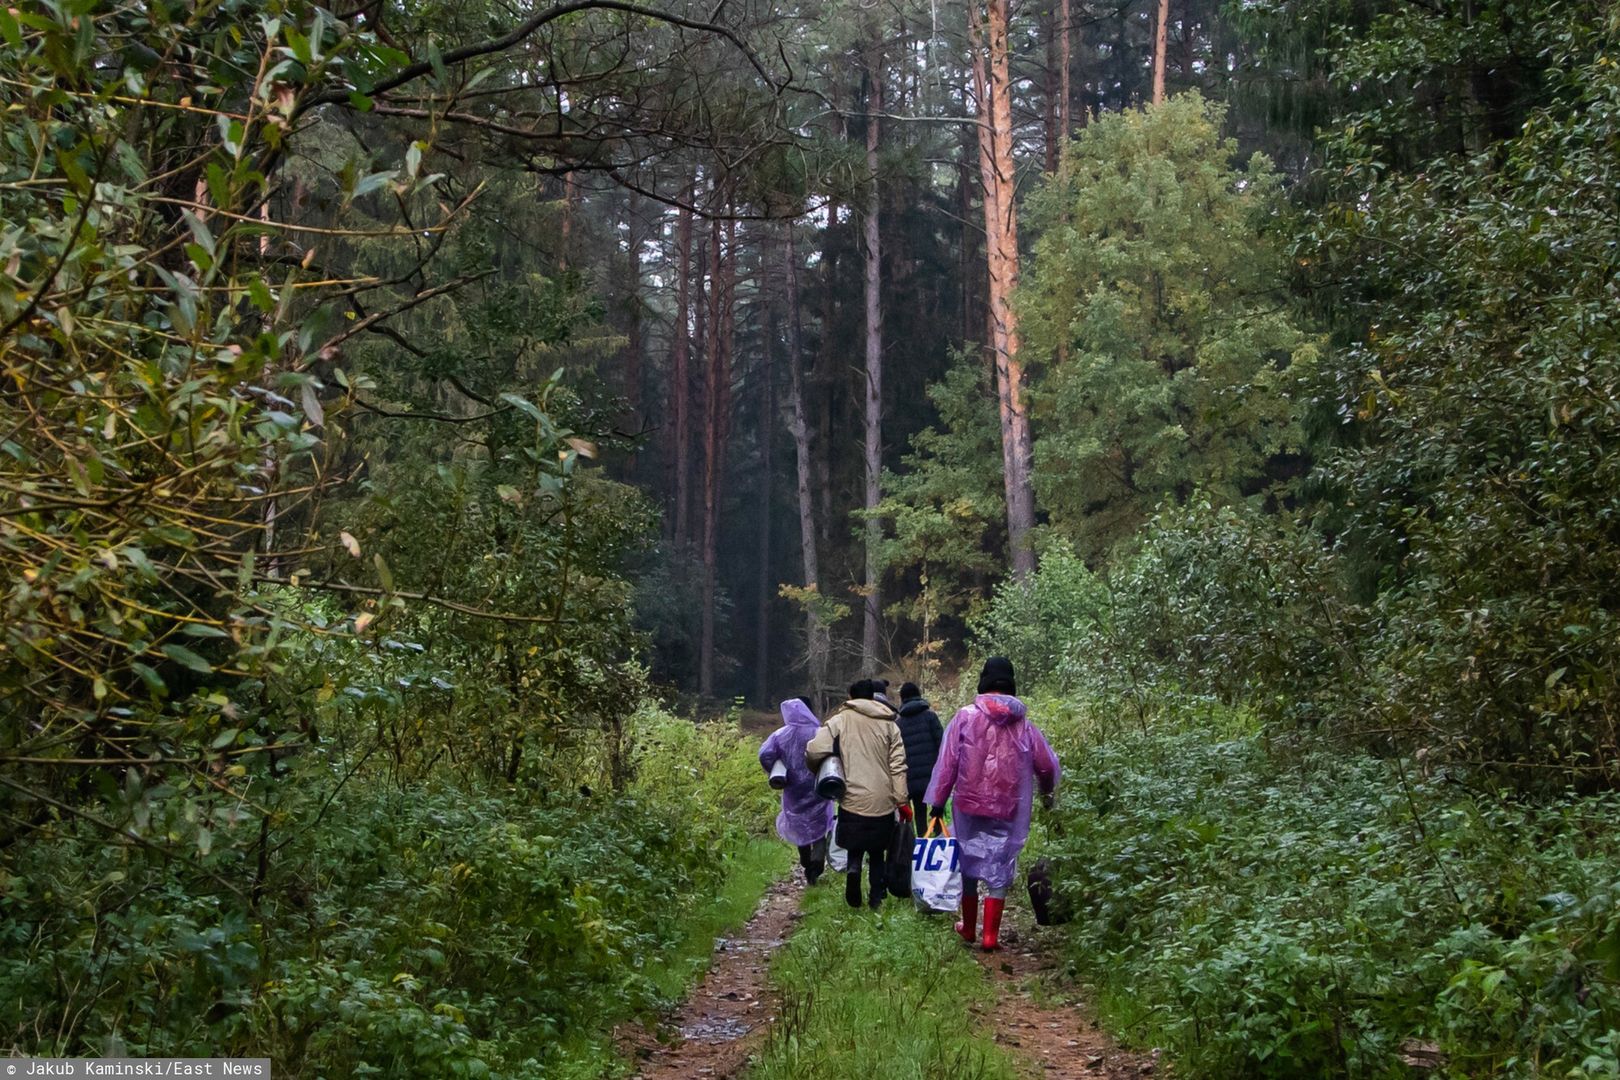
column 1052, row 1041
column 714, row 1032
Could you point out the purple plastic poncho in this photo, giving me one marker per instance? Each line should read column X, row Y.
column 990, row 762
column 806, row 817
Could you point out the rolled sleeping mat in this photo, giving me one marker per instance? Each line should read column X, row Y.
column 830, row 778
column 779, row 775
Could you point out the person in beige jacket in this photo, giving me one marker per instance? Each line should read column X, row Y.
column 874, row 758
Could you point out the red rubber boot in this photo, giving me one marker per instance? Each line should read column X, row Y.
column 993, row 907
column 970, row 916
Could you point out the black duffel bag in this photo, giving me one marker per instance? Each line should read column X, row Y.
column 905, row 839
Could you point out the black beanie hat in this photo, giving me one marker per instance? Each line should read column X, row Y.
column 997, row 677
column 909, row 692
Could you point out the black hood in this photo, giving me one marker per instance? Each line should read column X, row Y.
column 914, row 706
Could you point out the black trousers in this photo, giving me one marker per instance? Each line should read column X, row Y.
column 919, row 813
column 813, row 857
column 878, row 862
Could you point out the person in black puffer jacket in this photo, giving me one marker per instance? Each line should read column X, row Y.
column 922, row 732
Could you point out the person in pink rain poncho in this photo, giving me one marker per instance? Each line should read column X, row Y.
column 806, row 817
column 989, row 766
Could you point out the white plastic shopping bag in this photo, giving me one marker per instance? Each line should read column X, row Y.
column 936, row 874
column 837, row 857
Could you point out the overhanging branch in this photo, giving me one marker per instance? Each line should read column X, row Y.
column 523, row 30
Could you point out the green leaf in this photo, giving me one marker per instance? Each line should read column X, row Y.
column 225, row 738
column 219, row 188
column 154, row 682
column 259, row 293
column 524, row 404
column 372, row 181
column 188, row 659
column 384, row 575
column 199, row 232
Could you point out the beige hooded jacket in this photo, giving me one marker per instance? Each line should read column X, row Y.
column 874, row 756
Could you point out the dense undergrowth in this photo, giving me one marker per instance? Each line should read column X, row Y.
column 1261, row 886
column 451, row 928
column 884, row 994
column 1325, row 913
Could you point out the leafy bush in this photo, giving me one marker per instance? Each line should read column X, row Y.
column 1216, row 602
column 1044, row 623
column 1243, row 606
column 442, row 928
column 1478, row 394
column 1308, row 919
column 504, row 926
column 707, row 762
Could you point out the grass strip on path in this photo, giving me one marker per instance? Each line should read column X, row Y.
column 887, row 994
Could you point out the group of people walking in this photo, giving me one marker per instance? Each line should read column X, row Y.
column 902, row 764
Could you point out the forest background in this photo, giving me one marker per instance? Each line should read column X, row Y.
column 407, row 404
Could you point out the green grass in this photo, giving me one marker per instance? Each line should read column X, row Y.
column 753, row 867
column 887, row 994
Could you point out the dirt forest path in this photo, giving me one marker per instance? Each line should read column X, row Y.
column 1051, row 1039
column 713, row 1032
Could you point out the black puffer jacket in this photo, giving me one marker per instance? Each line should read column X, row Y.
column 922, row 732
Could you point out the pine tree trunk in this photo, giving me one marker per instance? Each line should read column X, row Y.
column 570, row 193
column 818, row 645
column 633, row 344
column 681, row 373
column 700, row 372
column 872, row 605
column 991, row 73
column 1065, row 106
column 717, row 392
column 828, row 369
column 1161, row 38
column 767, row 428
column 1050, row 110
column 969, row 257
column 1065, row 64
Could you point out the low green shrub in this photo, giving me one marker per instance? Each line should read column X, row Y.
column 1316, row 915
column 445, row 928
column 709, row 763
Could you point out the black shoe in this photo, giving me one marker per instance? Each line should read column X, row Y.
column 852, row 890
column 876, row 901
column 812, row 876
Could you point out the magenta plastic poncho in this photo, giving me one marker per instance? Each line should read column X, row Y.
column 989, row 764
column 806, row 817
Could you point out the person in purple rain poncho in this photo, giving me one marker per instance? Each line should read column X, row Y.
column 806, row 817
column 989, row 766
